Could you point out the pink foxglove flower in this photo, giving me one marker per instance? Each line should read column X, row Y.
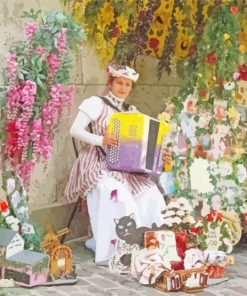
column 41, row 51
column 61, row 41
column 53, row 63
column 30, row 29
column 11, row 66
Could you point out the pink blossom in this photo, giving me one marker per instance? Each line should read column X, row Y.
column 24, row 171
column 30, row 28
column 41, row 51
column 236, row 75
column 61, row 41
column 53, row 63
column 11, row 66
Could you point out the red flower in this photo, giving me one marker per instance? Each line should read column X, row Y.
column 142, row 16
column 211, row 58
column 210, row 217
column 116, row 32
column 3, row 206
column 243, row 72
column 203, row 93
column 219, row 217
column 153, row 42
column 234, row 9
column 195, row 229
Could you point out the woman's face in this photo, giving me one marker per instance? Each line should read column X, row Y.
column 121, row 87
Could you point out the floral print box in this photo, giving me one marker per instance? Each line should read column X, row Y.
column 27, row 268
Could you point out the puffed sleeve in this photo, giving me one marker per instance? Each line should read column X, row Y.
column 92, row 107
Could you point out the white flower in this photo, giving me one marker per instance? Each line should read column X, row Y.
column 27, row 228
column 225, row 169
column 173, row 204
column 216, row 202
column 242, row 173
column 177, row 220
column 14, row 227
column 213, row 167
column 184, row 204
column 183, row 201
column 23, row 211
column 189, row 219
column 229, row 85
column 10, row 185
column 180, row 213
column 12, row 220
column 168, row 221
column 170, row 213
column 16, row 198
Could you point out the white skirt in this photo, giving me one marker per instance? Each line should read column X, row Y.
column 103, row 208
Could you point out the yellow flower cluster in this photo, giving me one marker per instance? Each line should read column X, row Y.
column 207, row 4
column 105, row 16
column 159, row 29
column 192, row 12
column 107, row 27
column 183, row 40
column 243, row 36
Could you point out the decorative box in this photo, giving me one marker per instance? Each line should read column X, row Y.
column 27, row 268
column 165, row 241
column 215, row 271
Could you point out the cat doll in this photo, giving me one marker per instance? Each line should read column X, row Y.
column 131, row 239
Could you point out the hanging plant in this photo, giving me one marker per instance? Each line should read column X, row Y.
column 37, row 91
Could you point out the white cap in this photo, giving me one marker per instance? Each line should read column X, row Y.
column 122, row 71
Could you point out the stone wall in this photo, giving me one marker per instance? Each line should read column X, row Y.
column 47, row 203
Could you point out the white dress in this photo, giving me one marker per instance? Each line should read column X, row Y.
column 110, row 194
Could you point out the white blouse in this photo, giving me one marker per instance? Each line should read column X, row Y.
column 89, row 110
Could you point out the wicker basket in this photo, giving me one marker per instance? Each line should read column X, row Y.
column 167, row 281
column 215, row 271
column 187, row 273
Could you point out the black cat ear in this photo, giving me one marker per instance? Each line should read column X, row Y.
column 132, row 215
column 116, row 221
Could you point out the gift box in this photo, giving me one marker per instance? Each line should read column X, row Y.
column 165, row 241
column 216, row 272
column 216, row 261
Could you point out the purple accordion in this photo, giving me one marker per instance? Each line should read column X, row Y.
column 141, row 142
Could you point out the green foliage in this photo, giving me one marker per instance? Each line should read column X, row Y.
column 31, row 65
column 219, row 38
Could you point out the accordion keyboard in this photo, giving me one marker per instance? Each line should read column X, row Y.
column 114, row 150
column 162, row 148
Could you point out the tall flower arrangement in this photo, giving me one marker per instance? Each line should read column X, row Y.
column 208, row 130
column 37, row 91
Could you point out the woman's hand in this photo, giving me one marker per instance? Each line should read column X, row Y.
column 167, row 159
column 109, row 139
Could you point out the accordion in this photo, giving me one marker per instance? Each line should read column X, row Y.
column 141, row 142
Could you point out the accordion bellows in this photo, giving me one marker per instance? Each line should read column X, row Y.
column 141, row 142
